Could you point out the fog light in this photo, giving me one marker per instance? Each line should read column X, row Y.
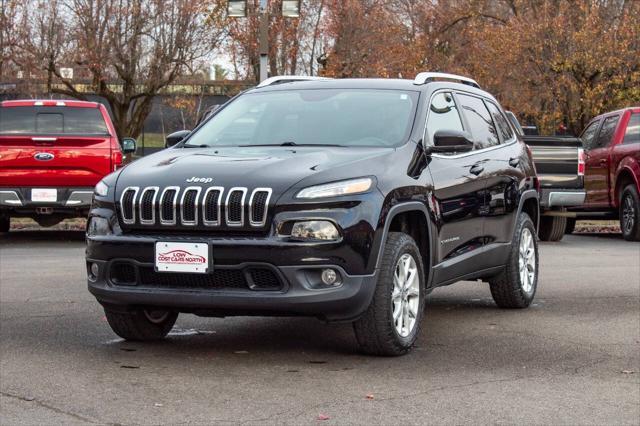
column 95, row 270
column 315, row 230
column 329, row 277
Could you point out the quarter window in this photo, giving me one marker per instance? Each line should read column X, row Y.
column 443, row 115
column 606, row 132
column 589, row 135
column 483, row 129
column 501, row 122
column 632, row 135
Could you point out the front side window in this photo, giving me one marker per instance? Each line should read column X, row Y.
column 632, row 134
column 606, row 132
column 443, row 115
column 503, row 126
column 341, row 117
column 589, row 135
column 483, row 129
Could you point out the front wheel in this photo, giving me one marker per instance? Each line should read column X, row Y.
column 516, row 286
column 630, row 213
column 391, row 324
column 141, row 324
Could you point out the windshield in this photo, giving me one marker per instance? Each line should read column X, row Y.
column 342, row 117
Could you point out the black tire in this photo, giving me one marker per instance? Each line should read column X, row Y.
column 5, row 223
column 552, row 228
column 507, row 288
column 630, row 213
column 571, row 226
column 141, row 325
column 376, row 331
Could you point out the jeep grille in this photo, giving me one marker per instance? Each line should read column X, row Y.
column 195, row 206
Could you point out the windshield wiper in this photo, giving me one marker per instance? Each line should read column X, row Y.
column 289, row 144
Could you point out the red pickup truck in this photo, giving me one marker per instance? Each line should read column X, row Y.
column 52, row 154
column 612, row 170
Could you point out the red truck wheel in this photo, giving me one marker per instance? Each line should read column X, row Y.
column 630, row 213
column 5, row 223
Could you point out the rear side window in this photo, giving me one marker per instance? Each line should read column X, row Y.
column 606, row 132
column 501, row 122
column 589, row 135
column 482, row 126
column 53, row 120
column 443, row 115
column 632, row 135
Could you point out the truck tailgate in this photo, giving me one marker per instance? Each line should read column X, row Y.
column 72, row 161
column 556, row 160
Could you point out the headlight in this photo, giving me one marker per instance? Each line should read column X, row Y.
column 321, row 230
column 351, row 186
column 97, row 226
column 101, row 189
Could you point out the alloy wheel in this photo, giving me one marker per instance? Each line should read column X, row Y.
column 406, row 295
column 527, row 260
column 628, row 214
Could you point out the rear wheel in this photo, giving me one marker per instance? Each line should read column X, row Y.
column 141, row 324
column 391, row 324
column 630, row 213
column 552, row 228
column 516, row 286
column 5, row 223
column 571, row 225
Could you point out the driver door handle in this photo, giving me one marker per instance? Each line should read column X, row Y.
column 476, row 169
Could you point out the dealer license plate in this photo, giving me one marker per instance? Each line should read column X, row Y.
column 182, row 257
column 44, row 195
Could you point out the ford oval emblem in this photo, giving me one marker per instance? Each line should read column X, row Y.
column 44, row 156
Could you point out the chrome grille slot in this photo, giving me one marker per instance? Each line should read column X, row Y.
column 128, row 204
column 168, row 201
column 211, row 206
column 189, row 206
column 258, row 204
column 148, row 205
column 234, row 207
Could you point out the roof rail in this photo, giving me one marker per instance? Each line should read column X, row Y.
column 279, row 79
column 427, row 77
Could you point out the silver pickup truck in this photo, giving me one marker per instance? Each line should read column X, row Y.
column 560, row 165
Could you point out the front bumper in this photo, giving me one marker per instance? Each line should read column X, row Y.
column 67, row 199
column 552, row 198
column 300, row 292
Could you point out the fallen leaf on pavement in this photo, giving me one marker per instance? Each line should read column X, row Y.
column 370, row 396
column 323, row 417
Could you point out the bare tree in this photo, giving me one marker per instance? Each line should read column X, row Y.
column 130, row 50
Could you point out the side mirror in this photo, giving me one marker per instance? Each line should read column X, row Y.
column 450, row 141
column 176, row 137
column 129, row 145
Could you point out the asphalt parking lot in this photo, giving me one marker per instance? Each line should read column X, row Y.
column 572, row 358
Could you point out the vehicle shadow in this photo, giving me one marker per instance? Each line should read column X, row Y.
column 27, row 236
column 607, row 235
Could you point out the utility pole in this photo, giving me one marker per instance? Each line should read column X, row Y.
column 239, row 8
column 264, row 40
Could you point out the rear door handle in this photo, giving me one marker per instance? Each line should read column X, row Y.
column 476, row 169
column 514, row 162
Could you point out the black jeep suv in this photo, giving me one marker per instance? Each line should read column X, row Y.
column 347, row 200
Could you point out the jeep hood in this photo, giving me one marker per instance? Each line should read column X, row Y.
column 275, row 167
